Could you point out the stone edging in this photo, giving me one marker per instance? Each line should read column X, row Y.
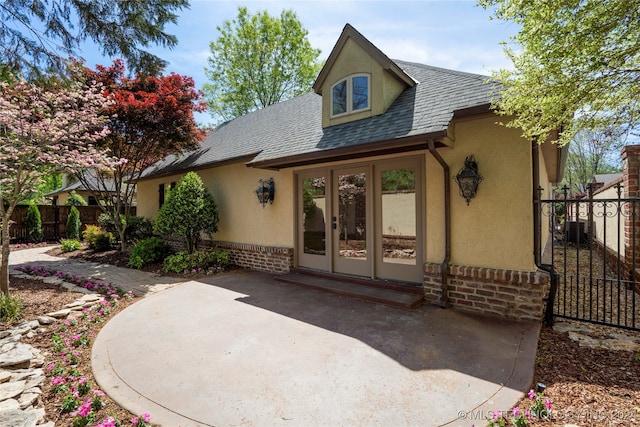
column 21, row 365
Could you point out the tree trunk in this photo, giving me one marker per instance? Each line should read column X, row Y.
column 123, row 240
column 4, row 266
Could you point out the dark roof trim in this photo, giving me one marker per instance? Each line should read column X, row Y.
column 386, row 63
column 477, row 109
column 391, row 146
column 217, row 163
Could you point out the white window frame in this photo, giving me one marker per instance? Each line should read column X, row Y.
column 349, row 80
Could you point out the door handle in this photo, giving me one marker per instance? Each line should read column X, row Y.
column 333, row 222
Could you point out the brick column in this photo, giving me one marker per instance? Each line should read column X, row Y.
column 631, row 181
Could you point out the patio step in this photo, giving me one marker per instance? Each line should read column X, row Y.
column 389, row 293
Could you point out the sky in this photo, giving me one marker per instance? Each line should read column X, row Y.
column 453, row 34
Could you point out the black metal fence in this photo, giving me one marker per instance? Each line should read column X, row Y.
column 591, row 245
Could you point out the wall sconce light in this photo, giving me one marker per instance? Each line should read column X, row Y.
column 468, row 179
column 266, row 191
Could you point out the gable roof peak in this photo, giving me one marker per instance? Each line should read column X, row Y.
column 348, row 32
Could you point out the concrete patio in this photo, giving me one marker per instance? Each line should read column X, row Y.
column 244, row 349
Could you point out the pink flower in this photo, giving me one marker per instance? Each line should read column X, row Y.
column 516, row 411
column 496, row 415
column 83, row 380
column 50, row 367
column 58, row 381
column 84, row 410
column 98, row 392
column 531, row 394
column 134, row 421
column 107, row 422
column 527, row 414
column 146, row 418
column 547, row 403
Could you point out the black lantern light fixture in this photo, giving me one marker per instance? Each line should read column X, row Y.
column 266, row 191
column 468, row 179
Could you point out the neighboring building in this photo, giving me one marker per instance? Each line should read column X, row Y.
column 363, row 170
column 61, row 195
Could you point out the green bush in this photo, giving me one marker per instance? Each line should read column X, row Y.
column 138, row 228
column 74, row 225
column 148, row 251
column 34, row 224
column 10, row 308
column 70, row 245
column 76, row 200
column 97, row 239
column 189, row 211
column 196, row 262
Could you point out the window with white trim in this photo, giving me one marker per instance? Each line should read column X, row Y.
column 350, row 95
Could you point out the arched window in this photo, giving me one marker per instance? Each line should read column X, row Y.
column 350, row 95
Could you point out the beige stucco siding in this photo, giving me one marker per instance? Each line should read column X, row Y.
column 606, row 226
column 495, row 230
column 352, row 60
column 242, row 218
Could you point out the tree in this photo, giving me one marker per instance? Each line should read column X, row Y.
column 592, row 153
column 576, row 66
column 42, row 132
column 33, row 222
column 40, row 34
column 150, row 117
column 189, row 211
column 74, row 225
column 258, row 60
column 75, row 199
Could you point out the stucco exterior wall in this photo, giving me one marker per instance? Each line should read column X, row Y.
column 495, row 230
column 242, row 218
column 605, row 221
column 384, row 89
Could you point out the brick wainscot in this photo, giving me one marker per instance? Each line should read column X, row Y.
column 505, row 293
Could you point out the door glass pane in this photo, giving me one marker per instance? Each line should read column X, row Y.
column 352, row 215
column 399, row 216
column 314, row 214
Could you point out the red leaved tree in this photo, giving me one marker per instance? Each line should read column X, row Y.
column 150, row 118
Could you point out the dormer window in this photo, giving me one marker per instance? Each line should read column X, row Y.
column 350, row 95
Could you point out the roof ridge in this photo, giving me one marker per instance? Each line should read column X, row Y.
column 441, row 69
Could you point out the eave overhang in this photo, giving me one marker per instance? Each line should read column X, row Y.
column 379, row 148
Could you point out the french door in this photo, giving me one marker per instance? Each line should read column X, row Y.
column 364, row 220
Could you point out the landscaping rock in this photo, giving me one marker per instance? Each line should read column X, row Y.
column 25, row 327
column 4, row 334
column 8, row 405
column 60, row 314
column 4, row 376
column 11, row 389
column 15, row 354
column 16, row 417
column 46, row 320
column 28, row 399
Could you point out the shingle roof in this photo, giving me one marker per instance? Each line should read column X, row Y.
column 294, row 127
column 79, row 186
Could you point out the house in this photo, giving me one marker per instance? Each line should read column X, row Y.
column 363, row 171
column 61, row 195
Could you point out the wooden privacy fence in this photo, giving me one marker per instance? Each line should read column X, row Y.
column 54, row 220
